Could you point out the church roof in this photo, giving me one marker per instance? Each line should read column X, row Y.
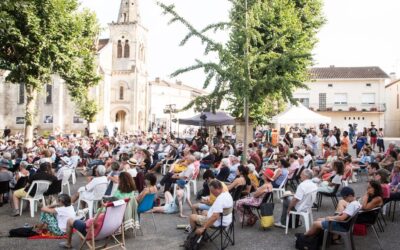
column 177, row 85
column 102, row 43
column 347, row 73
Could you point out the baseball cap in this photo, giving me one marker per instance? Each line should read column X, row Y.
column 347, row 191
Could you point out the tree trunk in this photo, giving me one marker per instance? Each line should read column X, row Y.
column 29, row 114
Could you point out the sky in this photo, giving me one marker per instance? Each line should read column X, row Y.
column 356, row 33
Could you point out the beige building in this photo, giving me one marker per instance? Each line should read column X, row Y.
column 347, row 95
column 392, row 116
column 122, row 94
column 166, row 95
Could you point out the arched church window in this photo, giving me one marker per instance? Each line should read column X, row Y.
column 21, row 93
column 119, row 49
column 121, row 93
column 126, row 49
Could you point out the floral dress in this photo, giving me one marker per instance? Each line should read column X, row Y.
column 250, row 200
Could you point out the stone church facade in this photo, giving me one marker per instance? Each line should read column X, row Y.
column 122, row 94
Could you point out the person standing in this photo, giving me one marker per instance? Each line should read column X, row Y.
column 7, row 132
column 373, row 134
column 380, row 141
column 344, row 144
column 351, row 133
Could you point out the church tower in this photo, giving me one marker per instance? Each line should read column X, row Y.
column 128, row 95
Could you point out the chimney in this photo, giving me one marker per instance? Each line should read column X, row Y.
column 157, row 79
column 393, row 76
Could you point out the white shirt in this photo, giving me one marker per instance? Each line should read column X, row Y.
column 307, row 160
column 89, row 188
column 132, row 172
column 337, row 179
column 332, row 141
column 63, row 214
column 74, row 160
column 233, row 169
column 304, row 193
column 224, row 200
column 352, row 208
column 188, row 173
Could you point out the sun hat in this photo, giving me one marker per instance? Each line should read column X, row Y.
column 132, row 161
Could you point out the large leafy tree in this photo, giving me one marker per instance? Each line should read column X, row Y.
column 266, row 56
column 39, row 38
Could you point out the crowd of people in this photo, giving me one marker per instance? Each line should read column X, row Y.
column 157, row 165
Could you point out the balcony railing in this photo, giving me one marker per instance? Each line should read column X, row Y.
column 346, row 107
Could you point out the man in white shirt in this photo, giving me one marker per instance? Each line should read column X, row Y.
column 87, row 192
column 222, row 204
column 303, row 198
column 331, row 139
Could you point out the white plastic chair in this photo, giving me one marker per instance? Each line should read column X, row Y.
column 193, row 181
column 41, row 188
column 281, row 189
column 307, row 216
column 98, row 193
column 65, row 181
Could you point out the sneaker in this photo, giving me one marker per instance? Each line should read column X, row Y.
column 278, row 224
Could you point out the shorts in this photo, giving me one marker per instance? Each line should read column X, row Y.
column 20, row 193
column 336, row 226
column 80, row 225
column 171, row 208
column 204, row 206
column 373, row 140
column 201, row 220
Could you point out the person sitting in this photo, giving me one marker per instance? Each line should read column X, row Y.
column 253, row 176
column 207, row 159
column 113, row 178
column 372, row 170
column 235, row 163
column 85, row 227
column 43, row 174
column 54, row 217
column 302, row 199
column 150, row 183
column 382, row 176
column 363, row 161
column 186, row 175
column 212, row 218
column 395, row 175
column 174, row 205
column 351, row 209
column 348, row 169
column 255, row 198
column 223, row 170
column 336, row 179
column 5, row 175
column 207, row 198
column 388, row 162
column 87, row 191
column 281, row 173
column 242, row 179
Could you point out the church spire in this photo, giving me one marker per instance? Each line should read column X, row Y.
column 128, row 11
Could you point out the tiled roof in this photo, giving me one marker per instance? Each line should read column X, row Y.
column 347, row 73
column 102, row 43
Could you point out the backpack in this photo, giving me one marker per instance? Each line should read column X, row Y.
column 267, row 215
column 309, row 243
column 22, row 232
column 193, row 241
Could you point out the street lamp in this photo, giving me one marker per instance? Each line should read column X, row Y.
column 169, row 109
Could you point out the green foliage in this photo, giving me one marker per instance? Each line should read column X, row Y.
column 88, row 109
column 267, row 55
column 39, row 38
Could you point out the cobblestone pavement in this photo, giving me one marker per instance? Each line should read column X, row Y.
column 168, row 237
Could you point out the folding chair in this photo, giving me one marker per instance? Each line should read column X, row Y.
column 113, row 221
column 226, row 233
column 146, row 205
column 41, row 188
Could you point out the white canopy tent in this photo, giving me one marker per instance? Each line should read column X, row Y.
column 300, row 114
